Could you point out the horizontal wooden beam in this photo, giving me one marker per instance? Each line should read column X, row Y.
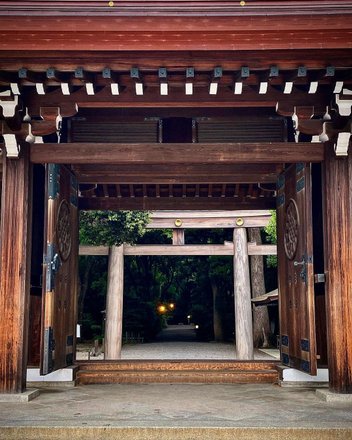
column 167, row 179
column 180, row 203
column 93, row 250
column 208, row 214
column 153, row 153
column 66, row 61
column 196, row 250
column 179, row 250
column 208, row 222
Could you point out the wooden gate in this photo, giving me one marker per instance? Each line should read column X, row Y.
column 60, row 270
column 295, row 264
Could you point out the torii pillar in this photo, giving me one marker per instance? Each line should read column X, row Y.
column 242, row 296
column 114, row 304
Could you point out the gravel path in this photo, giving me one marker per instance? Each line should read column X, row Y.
column 179, row 342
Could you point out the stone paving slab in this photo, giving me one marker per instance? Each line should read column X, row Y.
column 178, row 406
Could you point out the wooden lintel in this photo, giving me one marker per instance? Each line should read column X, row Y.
column 177, row 250
column 153, row 153
column 208, row 222
column 209, row 214
column 93, row 250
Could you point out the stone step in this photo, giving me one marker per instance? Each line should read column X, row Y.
column 177, row 365
column 168, row 376
column 172, row 433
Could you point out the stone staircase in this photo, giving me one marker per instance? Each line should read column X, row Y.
column 177, row 371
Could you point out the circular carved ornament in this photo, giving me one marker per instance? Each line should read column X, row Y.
column 63, row 230
column 291, row 229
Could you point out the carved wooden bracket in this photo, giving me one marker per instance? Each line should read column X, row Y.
column 344, row 102
column 13, row 138
column 50, row 123
column 342, row 143
column 335, row 126
column 8, row 104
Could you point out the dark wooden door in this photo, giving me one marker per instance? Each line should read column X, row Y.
column 295, row 264
column 60, row 270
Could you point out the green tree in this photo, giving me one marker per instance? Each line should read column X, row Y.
column 271, row 237
column 111, row 228
column 102, row 228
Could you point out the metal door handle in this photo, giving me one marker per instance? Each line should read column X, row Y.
column 299, row 263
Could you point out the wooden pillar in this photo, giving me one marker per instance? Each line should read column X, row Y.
column 338, row 268
column 242, row 297
column 178, row 237
column 15, row 249
column 114, row 304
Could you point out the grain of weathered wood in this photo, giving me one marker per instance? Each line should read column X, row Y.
column 242, row 296
column 338, row 268
column 114, row 304
column 148, row 153
column 15, row 269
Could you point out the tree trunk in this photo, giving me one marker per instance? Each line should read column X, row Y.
column 218, row 335
column 261, row 325
column 84, row 283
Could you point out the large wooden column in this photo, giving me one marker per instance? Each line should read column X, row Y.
column 242, row 291
column 114, row 304
column 338, row 268
column 15, row 250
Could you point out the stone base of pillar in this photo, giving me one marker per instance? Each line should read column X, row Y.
column 24, row 397
column 330, row 397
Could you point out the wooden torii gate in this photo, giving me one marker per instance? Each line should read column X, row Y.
column 240, row 249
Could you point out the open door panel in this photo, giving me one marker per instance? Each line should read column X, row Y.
column 295, row 266
column 59, row 270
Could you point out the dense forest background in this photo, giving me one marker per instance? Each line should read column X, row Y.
column 195, row 287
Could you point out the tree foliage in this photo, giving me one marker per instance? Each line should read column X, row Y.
column 271, row 237
column 108, row 228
